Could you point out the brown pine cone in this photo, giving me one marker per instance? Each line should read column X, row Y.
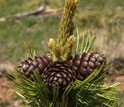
column 84, row 64
column 59, row 73
column 30, row 65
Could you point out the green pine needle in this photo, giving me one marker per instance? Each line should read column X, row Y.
column 86, row 43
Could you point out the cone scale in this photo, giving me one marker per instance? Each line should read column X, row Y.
column 59, row 73
column 30, row 65
column 85, row 63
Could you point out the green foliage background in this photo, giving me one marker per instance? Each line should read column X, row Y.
column 18, row 37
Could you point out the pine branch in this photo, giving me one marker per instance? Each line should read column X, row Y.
column 86, row 93
column 63, row 48
column 66, row 25
column 44, row 89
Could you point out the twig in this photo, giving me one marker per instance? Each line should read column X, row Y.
column 39, row 13
column 19, row 15
column 51, row 12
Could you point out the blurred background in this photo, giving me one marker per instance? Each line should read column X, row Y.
column 26, row 25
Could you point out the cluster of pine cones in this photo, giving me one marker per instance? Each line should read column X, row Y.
column 61, row 73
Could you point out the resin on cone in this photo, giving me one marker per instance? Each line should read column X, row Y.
column 59, row 73
column 85, row 63
column 30, row 65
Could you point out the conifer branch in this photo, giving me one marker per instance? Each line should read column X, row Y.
column 63, row 48
column 58, row 85
column 66, row 25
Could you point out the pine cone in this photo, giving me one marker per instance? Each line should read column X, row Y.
column 28, row 66
column 59, row 73
column 85, row 63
